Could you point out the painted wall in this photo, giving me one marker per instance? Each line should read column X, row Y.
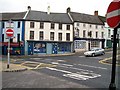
column 47, row 31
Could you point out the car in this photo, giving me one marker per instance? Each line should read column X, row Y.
column 95, row 51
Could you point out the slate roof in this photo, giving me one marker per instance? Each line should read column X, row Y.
column 85, row 18
column 13, row 16
column 52, row 17
column 102, row 18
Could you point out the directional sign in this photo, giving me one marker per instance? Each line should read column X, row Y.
column 113, row 14
column 9, row 32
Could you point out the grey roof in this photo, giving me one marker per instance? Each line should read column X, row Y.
column 85, row 18
column 102, row 18
column 52, row 17
column 13, row 16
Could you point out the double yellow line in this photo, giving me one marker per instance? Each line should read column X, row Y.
column 104, row 61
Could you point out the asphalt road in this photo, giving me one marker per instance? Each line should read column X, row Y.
column 77, row 69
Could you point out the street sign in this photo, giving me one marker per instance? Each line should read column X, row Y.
column 113, row 14
column 9, row 32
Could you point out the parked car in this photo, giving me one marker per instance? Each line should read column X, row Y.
column 95, row 51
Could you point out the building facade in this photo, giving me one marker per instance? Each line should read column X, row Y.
column 88, row 31
column 48, row 33
column 14, row 21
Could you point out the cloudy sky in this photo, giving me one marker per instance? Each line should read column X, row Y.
column 82, row 6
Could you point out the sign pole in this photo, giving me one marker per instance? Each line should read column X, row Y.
column 8, row 53
column 112, row 85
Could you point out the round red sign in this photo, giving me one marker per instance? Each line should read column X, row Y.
column 113, row 14
column 9, row 32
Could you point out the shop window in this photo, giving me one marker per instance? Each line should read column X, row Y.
column 39, row 48
column 32, row 25
column 64, row 47
column 67, row 36
column 41, row 25
column 31, row 34
column 95, row 44
column 51, row 35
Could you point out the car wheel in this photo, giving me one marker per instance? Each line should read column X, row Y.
column 93, row 54
column 103, row 53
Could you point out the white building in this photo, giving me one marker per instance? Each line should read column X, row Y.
column 88, row 31
column 48, row 33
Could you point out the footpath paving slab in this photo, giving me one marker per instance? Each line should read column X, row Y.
column 12, row 67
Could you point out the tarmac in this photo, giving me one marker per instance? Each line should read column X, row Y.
column 18, row 67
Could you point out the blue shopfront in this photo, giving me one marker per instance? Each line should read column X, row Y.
column 41, row 47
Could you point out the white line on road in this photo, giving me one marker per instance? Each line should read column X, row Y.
column 92, row 66
column 78, row 75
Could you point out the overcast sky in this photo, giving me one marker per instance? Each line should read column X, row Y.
column 82, row 6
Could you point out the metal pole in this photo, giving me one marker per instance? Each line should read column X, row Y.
column 9, row 46
column 8, row 53
column 112, row 85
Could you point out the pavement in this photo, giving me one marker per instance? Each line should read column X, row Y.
column 12, row 67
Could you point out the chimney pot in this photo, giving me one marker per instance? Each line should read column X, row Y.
column 96, row 13
column 68, row 9
column 29, row 8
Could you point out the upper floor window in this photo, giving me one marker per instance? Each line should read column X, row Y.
column 18, row 26
column 31, row 24
column 2, row 37
column 67, row 36
column 77, row 24
column 31, row 34
column 84, row 33
column 102, row 27
column 109, row 33
column 41, row 35
column 52, row 25
column 96, row 34
column 90, row 33
column 51, row 35
column 60, row 36
column 96, row 27
column 102, row 34
column 18, row 37
column 3, row 25
column 60, row 26
column 84, row 25
column 41, row 25
column 68, row 27
column 90, row 25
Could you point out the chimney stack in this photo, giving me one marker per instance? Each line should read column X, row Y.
column 48, row 10
column 68, row 9
column 29, row 8
column 96, row 13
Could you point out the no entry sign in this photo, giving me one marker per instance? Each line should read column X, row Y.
column 9, row 32
column 113, row 14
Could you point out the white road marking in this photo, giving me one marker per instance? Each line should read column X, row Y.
column 78, row 75
column 76, row 68
column 56, row 63
column 92, row 66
